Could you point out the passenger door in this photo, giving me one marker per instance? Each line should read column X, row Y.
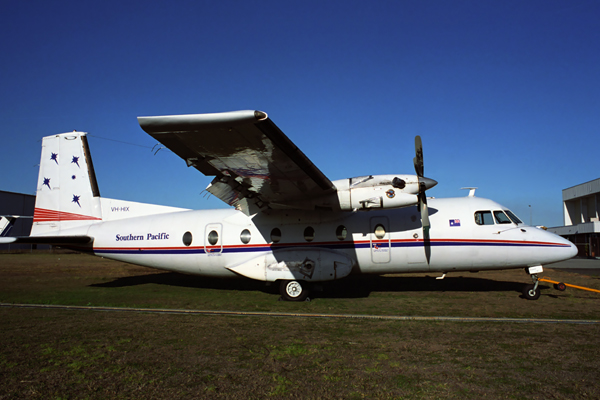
column 380, row 240
column 213, row 241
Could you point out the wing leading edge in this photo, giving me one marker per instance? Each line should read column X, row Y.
column 254, row 163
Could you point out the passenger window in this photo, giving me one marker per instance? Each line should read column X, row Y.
column 245, row 236
column 187, row 238
column 379, row 231
column 501, row 218
column 484, row 218
column 309, row 234
column 213, row 237
column 341, row 232
column 275, row 235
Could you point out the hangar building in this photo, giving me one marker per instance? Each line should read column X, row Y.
column 581, row 209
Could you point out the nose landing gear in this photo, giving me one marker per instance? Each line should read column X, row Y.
column 532, row 291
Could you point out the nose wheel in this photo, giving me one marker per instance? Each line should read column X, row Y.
column 531, row 292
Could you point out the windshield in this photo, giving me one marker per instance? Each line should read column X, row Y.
column 513, row 217
column 484, row 218
column 501, row 218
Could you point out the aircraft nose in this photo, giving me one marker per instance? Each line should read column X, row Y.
column 569, row 250
column 572, row 250
column 429, row 183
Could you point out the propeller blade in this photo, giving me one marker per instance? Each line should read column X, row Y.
column 426, row 227
column 418, row 160
column 423, row 210
column 424, row 184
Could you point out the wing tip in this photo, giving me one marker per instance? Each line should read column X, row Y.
column 191, row 122
column 260, row 115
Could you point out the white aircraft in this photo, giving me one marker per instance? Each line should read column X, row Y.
column 289, row 223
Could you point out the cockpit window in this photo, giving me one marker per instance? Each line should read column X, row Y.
column 512, row 216
column 501, row 218
column 484, row 218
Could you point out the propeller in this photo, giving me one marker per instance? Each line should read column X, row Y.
column 423, row 182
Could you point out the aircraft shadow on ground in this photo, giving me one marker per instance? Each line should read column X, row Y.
column 352, row 287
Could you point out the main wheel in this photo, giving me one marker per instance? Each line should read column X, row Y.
column 293, row 290
column 531, row 294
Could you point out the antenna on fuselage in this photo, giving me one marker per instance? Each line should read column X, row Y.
column 471, row 191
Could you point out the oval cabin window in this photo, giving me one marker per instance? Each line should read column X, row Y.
column 275, row 235
column 341, row 232
column 309, row 234
column 379, row 231
column 213, row 237
column 245, row 236
column 187, row 238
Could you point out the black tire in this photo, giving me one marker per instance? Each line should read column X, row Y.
column 293, row 290
column 529, row 294
column 561, row 286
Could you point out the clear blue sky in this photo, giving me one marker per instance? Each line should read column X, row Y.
column 505, row 94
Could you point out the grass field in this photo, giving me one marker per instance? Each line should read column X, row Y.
column 89, row 354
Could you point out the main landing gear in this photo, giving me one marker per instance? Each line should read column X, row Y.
column 294, row 290
column 532, row 291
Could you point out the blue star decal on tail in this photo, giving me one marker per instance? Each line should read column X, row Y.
column 76, row 200
column 54, row 157
column 47, row 183
column 75, row 160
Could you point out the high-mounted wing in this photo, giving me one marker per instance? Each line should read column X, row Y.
column 254, row 163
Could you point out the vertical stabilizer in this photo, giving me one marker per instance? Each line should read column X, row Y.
column 67, row 191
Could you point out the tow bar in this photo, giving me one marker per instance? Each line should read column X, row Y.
column 563, row 286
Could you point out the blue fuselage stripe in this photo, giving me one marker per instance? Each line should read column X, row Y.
column 330, row 246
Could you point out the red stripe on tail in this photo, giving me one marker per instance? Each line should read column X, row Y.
column 44, row 215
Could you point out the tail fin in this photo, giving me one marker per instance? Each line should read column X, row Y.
column 67, row 191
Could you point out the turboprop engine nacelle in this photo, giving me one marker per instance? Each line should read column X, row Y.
column 379, row 191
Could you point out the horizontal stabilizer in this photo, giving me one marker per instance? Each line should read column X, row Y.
column 56, row 240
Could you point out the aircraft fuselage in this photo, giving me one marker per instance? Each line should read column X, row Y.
column 220, row 243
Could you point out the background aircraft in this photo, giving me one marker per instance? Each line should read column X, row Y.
column 288, row 222
column 6, row 224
